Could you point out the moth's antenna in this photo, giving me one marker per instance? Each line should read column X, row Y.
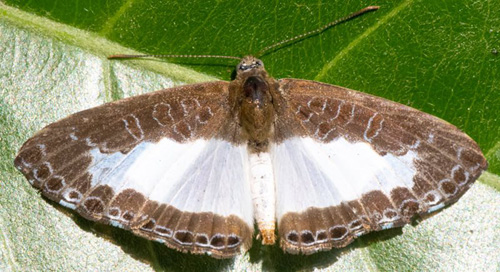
column 261, row 52
column 121, row 56
column 318, row 30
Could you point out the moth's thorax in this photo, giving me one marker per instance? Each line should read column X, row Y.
column 252, row 95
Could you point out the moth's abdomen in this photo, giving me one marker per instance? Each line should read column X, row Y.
column 263, row 195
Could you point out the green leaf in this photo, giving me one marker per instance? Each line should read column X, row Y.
column 435, row 56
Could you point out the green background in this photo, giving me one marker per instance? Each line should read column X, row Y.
column 437, row 57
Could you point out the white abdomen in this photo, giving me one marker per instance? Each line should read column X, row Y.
column 263, row 195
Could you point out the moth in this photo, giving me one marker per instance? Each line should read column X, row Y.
column 195, row 167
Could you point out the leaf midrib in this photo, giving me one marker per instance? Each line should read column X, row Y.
column 332, row 63
column 95, row 44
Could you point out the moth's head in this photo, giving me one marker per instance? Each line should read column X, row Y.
column 249, row 63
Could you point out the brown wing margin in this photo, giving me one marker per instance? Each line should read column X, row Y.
column 56, row 159
column 448, row 162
